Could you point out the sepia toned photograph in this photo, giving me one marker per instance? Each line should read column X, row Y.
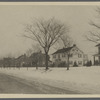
column 49, row 48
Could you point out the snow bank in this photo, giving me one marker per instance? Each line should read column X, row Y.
column 80, row 79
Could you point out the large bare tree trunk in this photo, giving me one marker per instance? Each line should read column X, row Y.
column 46, row 60
column 99, row 60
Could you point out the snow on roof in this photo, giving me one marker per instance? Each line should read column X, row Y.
column 66, row 49
column 63, row 50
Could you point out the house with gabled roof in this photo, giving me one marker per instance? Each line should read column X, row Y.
column 74, row 54
column 21, row 60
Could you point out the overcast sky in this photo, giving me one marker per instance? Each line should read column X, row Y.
column 13, row 18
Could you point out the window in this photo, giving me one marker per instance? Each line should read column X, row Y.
column 80, row 62
column 85, row 56
column 58, row 55
column 54, row 56
column 63, row 54
column 79, row 55
column 70, row 62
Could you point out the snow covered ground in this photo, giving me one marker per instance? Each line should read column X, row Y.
column 85, row 80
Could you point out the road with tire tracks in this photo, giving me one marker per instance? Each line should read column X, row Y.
column 14, row 85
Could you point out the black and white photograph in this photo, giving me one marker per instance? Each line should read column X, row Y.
column 51, row 48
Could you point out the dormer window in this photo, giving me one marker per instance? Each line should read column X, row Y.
column 79, row 56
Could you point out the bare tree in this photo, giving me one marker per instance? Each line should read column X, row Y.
column 46, row 33
column 33, row 49
column 94, row 36
column 29, row 52
column 36, row 48
column 66, row 42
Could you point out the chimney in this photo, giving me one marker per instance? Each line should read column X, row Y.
column 74, row 45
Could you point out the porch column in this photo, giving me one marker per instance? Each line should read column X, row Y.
column 99, row 59
column 94, row 59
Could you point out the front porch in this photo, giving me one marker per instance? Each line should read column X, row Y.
column 96, row 59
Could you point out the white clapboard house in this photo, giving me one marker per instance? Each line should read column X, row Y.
column 76, row 56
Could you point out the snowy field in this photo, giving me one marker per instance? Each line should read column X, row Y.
column 85, row 80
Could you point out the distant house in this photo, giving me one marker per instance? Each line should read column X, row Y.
column 34, row 60
column 76, row 56
column 21, row 60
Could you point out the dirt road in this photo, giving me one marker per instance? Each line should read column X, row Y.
column 10, row 84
